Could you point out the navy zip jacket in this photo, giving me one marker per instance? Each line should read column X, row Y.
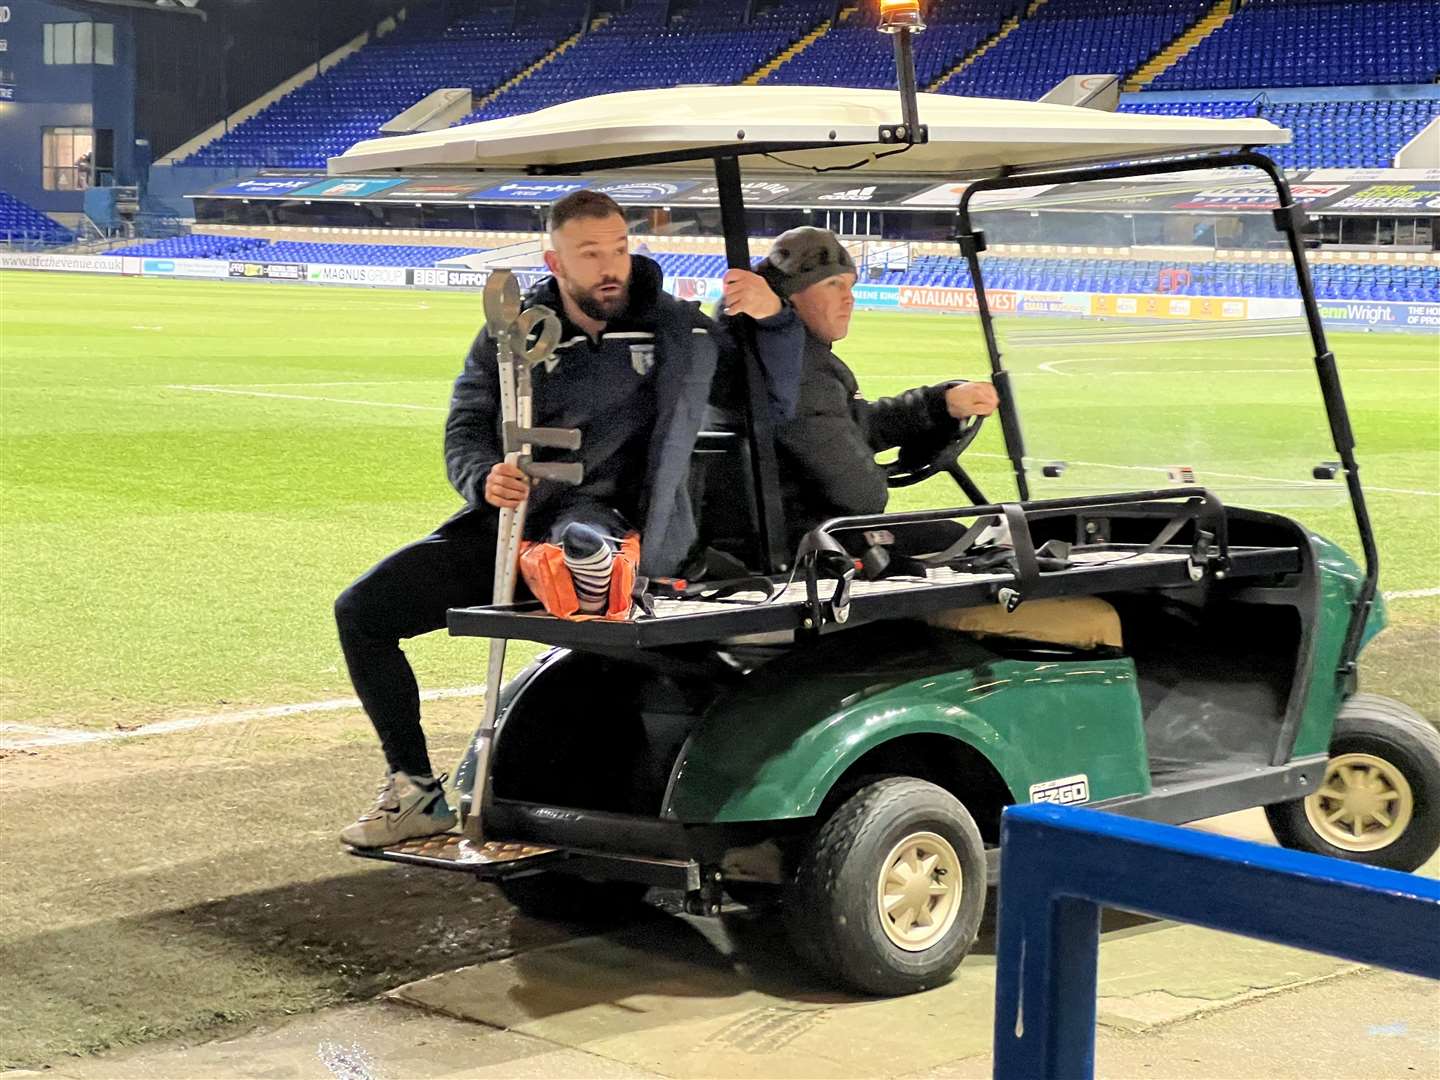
column 638, row 395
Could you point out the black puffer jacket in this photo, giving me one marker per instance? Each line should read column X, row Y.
column 827, row 450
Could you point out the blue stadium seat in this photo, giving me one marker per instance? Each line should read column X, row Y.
column 255, row 249
column 1332, row 280
column 1267, row 43
column 350, row 101
column 22, row 224
column 637, row 50
column 1075, row 37
column 1325, row 134
column 854, row 54
column 1307, row 43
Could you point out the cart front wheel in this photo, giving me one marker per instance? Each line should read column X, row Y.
column 889, row 896
column 1379, row 802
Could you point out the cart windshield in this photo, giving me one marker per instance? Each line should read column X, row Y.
column 1155, row 337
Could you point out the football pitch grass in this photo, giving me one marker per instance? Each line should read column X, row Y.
column 192, row 471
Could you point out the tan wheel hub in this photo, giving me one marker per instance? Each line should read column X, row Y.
column 919, row 891
column 1364, row 803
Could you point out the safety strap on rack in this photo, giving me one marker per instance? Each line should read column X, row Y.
column 959, row 547
column 647, row 590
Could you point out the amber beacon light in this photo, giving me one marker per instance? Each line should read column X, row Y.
column 897, row 16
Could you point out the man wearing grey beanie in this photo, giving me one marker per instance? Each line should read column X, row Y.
column 828, row 435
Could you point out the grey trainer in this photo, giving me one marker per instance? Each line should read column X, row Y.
column 407, row 807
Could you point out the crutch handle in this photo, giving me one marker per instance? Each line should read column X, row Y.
column 560, row 438
column 564, row 472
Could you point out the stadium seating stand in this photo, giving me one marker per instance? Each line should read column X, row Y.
column 22, row 225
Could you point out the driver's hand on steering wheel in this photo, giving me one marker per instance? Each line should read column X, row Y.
column 971, row 399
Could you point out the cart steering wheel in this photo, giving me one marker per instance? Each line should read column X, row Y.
column 905, row 471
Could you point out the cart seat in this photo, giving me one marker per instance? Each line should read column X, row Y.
column 1080, row 622
column 722, row 488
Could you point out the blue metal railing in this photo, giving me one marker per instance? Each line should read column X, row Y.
column 35, row 239
column 1062, row 864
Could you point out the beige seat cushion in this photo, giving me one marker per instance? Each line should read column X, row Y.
column 1081, row 622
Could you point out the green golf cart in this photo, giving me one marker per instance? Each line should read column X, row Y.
column 837, row 732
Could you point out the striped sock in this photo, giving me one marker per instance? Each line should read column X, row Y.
column 589, row 558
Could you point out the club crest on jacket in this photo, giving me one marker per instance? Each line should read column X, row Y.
column 642, row 358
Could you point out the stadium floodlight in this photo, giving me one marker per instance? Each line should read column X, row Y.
column 902, row 18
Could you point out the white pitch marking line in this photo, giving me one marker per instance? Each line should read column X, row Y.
column 1412, row 594
column 344, row 382
column 1052, row 368
column 1233, row 476
column 30, row 737
column 1049, row 368
column 39, row 736
column 306, row 397
column 1074, row 342
column 1285, row 371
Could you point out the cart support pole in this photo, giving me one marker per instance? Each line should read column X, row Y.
column 972, row 243
column 775, row 554
column 1290, row 219
column 905, row 75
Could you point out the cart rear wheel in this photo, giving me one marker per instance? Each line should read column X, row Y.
column 889, row 896
column 562, row 898
column 1379, row 802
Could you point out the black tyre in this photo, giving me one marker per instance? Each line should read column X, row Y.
column 1380, row 800
column 562, row 898
column 889, row 895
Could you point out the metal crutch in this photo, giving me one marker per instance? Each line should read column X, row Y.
column 511, row 328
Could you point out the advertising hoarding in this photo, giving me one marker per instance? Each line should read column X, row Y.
column 1390, row 198
column 82, row 264
column 267, row 271
column 334, row 274
column 877, row 296
column 1159, row 306
column 349, row 187
column 754, row 192
column 1380, row 315
column 646, row 191
column 423, row 191
column 264, row 186
column 529, row 191
column 938, row 298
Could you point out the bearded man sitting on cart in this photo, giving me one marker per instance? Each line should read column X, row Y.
column 827, row 434
column 632, row 373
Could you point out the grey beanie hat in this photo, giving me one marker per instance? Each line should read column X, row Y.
column 801, row 257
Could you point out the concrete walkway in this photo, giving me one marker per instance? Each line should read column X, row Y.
column 1362, row 1023
column 694, row 998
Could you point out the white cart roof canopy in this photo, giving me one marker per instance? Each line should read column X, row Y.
column 831, row 126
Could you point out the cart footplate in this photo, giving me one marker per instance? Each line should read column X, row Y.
column 452, row 851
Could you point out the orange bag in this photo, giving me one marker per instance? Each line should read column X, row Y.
column 543, row 567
